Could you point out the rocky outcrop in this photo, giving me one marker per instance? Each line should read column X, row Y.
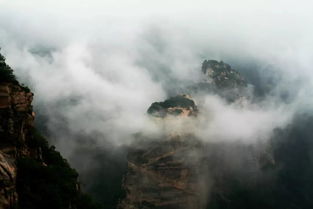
column 222, row 75
column 159, row 173
column 33, row 175
column 221, row 79
column 181, row 105
column 8, row 195
column 16, row 121
column 176, row 170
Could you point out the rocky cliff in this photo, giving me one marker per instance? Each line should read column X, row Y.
column 222, row 75
column 221, row 79
column 16, row 121
column 159, row 173
column 179, row 171
column 181, row 105
column 32, row 174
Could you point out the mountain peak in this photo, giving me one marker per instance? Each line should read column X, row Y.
column 180, row 105
column 222, row 75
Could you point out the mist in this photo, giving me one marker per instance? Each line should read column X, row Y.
column 95, row 67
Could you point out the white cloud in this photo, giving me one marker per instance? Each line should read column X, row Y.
column 105, row 62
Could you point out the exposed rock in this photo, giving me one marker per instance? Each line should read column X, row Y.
column 33, row 174
column 16, row 120
column 222, row 75
column 159, row 175
column 27, row 159
column 181, row 105
column 8, row 195
column 174, row 171
column 221, row 79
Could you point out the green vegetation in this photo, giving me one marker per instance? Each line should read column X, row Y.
column 49, row 181
column 159, row 108
column 178, row 101
column 44, row 178
column 6, row 73
column 25, row 88
column 223, row 75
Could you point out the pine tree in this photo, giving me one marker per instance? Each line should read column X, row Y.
column 6, row 73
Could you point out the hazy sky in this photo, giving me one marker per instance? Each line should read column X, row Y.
column 98, row 65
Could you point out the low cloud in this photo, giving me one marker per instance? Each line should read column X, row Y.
column 96, row 70
column 99, row 73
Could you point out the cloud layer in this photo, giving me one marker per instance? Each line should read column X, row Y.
column 96, row 68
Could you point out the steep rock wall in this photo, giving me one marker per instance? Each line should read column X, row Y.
column 16, row 120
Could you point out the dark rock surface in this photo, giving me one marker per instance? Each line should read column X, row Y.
column 16, row 121
column 33, row 175
column 178, row 170
column 160, row 175
column 222, row 75
column 177, row 106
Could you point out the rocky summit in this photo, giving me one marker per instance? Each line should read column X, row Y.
column 222, row 75
column 221, row 79
column 159, row 173
column 175, row 171
column 181, row 105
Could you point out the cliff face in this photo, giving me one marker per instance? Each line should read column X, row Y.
column 177, row 170
column 159, row 173
column 16, row 121
column 33, row 175
column 167, row 172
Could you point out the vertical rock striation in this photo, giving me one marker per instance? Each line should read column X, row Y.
column 177, row 170
column 159, row 173
column 16, row 121
column 33, row 175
